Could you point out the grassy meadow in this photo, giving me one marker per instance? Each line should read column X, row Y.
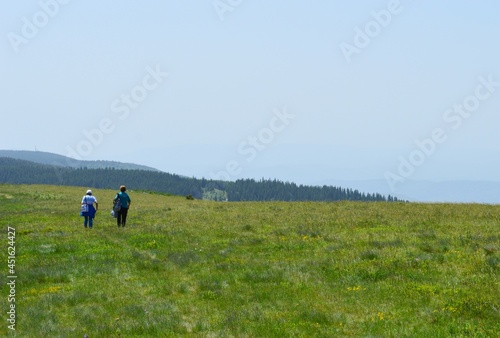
column 184, row 268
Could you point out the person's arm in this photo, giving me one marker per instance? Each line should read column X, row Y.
column 96, row 206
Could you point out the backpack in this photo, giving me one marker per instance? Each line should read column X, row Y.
column 85, row 207
column 117, row 204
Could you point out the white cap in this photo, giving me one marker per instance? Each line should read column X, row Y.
column 89, row 192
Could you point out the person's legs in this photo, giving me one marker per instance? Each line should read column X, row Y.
column 119, row 217
column 91, row 222
column 124, row 216
column 85, row 221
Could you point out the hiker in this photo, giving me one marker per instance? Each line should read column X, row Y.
column 124, row 203
column 88, row 209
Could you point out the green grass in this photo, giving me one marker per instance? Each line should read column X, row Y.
column 215, row 269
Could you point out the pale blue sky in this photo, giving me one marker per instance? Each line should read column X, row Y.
column 226, row 79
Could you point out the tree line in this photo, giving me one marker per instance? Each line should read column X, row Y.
column 14, row 171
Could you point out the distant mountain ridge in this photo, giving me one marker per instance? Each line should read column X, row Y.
column 16, row 171
column 64, row 161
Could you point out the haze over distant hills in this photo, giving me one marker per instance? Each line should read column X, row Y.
column 361, row 169
column 428, row 191
column 63, row 161
column 454, row 191
column 17, row 171
column 413, row 190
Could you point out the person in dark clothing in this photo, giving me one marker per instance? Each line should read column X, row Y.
column 125, row 201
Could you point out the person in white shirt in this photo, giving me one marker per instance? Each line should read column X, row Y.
column 89, row 215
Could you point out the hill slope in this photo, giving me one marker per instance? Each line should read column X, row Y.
column 63, row 161
column 25, row 172
column 198, row 268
